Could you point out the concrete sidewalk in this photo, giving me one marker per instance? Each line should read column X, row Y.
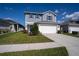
column 31, row 46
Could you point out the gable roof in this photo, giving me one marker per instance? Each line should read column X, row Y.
column 74, row 23
column 11, row 22
column 41, row 13
column 7, row 22
column 49, row 11
column 28, row 12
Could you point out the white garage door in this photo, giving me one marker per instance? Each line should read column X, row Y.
column 47, row 29
column 73, row 29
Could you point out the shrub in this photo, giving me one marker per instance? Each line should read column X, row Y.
column 74, row 32
column 0, row 31
column 58, row 32
column 24, row 31
column 34, row 29
column 4, row 31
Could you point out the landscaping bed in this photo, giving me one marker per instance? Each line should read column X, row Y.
column 20, row 37
column 60, row 51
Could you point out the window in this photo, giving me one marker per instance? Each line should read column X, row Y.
column 30, row 16
column 37, row 16
column 49, row 17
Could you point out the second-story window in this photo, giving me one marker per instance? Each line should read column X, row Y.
column 30, row 16
column 37, row 16
column 49, row 17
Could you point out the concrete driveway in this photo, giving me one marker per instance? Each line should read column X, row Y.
column 71, row 43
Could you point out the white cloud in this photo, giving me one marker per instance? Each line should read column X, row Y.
column 11, row 8
column 56, row 11
column 58, row 21
column 7, row 8
column 63, row 17
column 8, row 18
column 73, row 16
column 64, row 13
column 69, row 16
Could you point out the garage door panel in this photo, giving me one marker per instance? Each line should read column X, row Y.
column 47, row 29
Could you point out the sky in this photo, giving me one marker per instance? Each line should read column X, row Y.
column 15, row 11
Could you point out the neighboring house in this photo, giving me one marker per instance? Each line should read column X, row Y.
column 46, row 21
column 70, row 26
column 73, row 26
column 10, row 25
column 14, row 26
column 4, row 26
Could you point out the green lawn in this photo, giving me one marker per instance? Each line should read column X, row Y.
column 60, row 51
column 20, row 37
column 70, row 34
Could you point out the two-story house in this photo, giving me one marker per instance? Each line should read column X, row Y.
column 46, row 21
